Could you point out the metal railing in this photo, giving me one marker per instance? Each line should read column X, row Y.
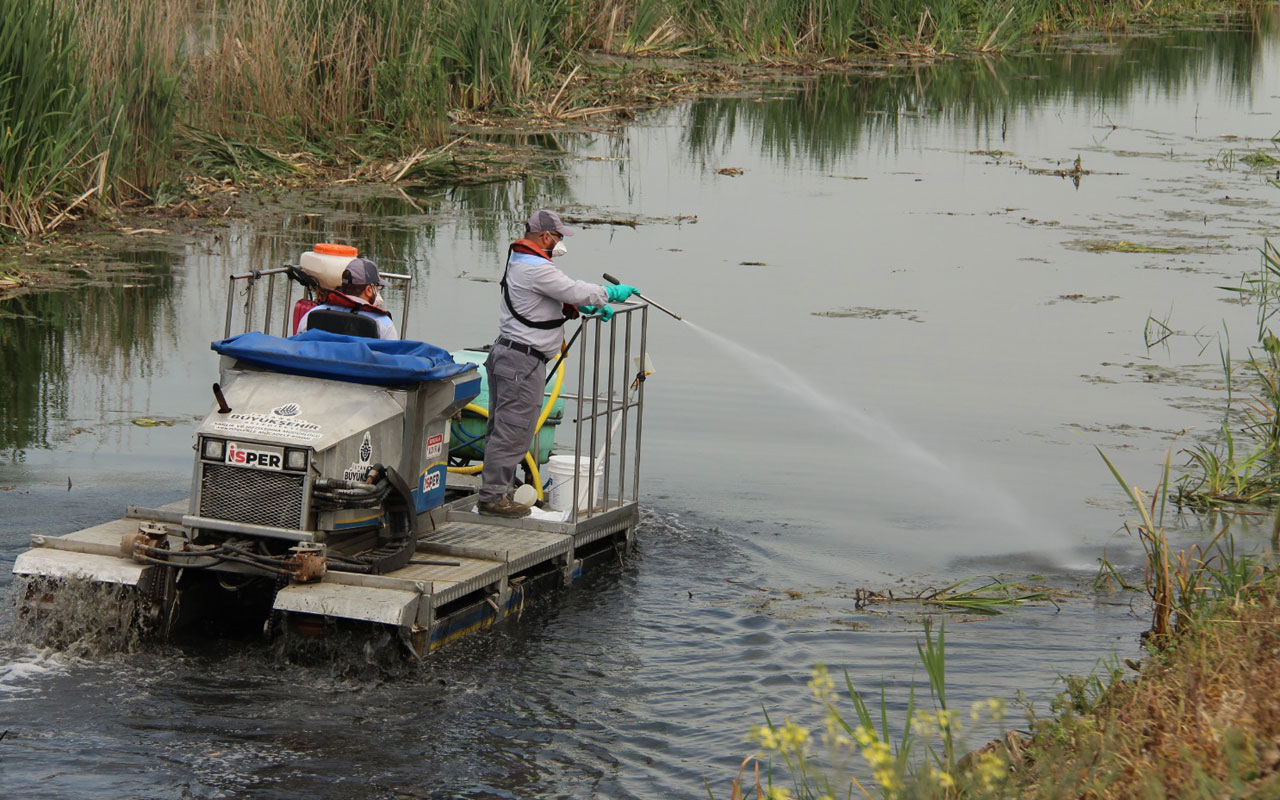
column 250, row 311
column 609, row 417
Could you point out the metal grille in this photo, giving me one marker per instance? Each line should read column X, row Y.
column 251, row 495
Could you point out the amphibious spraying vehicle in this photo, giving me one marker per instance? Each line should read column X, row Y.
column 333, row 486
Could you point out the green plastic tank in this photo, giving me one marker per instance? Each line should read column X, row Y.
column 466, row 436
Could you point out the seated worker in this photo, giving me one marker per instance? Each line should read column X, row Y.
column 359, row 294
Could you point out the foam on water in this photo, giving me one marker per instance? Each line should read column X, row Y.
column 23, row 668
column 983, row 500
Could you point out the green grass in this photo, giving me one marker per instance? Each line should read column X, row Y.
column 48, row 138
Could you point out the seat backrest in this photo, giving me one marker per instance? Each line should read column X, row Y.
column 347, row 323
column 300, row 309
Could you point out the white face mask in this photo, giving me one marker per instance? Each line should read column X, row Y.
column 559, row 249
column 377, row 298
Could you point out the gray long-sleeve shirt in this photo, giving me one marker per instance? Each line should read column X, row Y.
column 538, row 290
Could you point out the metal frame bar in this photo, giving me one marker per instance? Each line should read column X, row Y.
column 595, row 417
column 287, row 316
column 644, row 334
column 266, row 312
column 608, row 422
column 626, row 386
column 251, row 297
column 594, row 407
column 577, row 429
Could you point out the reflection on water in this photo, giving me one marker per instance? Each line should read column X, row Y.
column 105, row 331
column 109, row 331
column 831, row 116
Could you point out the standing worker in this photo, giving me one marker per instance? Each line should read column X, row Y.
column 537, row 299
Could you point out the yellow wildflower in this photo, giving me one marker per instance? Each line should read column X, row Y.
column 947, row 720
column 878, row 754
column 888, row 779
column 996, row 706
column 821, row 684
column 992, row 707
column 992, row 770
column 924, row 724
column 863, row 736
column 765, row 736
column 793, row 738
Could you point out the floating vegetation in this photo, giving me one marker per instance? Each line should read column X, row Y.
column 866, row 312
column 1259, row 159
column 1075, row 172
column 148, row 422
column 1083, row 298
column 988, row 599
column 1130, row 247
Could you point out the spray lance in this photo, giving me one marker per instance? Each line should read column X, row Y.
column 615, row 282
column 569, row 345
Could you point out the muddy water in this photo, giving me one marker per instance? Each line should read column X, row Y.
column 901, row 240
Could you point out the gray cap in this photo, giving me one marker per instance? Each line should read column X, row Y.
column 544, row 220
column 361, row 272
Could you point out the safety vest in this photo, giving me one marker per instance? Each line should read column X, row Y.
column 332, row 297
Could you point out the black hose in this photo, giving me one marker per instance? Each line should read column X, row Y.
column 396, row 549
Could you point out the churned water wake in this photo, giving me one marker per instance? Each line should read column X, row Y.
column 987, row 501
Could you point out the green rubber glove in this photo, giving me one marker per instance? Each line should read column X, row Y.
column 619, row 292
column 605, row 312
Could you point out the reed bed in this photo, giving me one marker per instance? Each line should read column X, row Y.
column 116, row 101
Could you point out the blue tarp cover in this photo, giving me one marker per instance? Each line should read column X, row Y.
column 320, row 354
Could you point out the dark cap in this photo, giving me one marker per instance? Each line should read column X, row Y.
column 544, row 220
column 361, row 272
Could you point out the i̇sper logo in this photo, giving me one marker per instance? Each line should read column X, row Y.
column 286, row 410
column 366, row 449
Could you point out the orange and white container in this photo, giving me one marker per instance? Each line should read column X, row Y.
column 325, row 262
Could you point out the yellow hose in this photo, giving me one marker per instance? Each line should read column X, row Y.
column 530, row 459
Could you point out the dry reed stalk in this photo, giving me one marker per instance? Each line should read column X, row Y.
column 272, row 67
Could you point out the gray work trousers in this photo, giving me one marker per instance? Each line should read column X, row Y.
column 516, row 382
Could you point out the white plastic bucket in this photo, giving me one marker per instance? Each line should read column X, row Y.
column 325, row 262
column 560, row 470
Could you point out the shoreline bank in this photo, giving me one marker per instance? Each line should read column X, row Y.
column 191, row 176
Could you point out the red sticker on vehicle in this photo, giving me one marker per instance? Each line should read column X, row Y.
column 435, row 446
column 258, row 457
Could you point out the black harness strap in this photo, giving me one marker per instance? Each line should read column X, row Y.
column 543, row 325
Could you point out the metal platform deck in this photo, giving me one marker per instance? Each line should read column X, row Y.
column 468, row 571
